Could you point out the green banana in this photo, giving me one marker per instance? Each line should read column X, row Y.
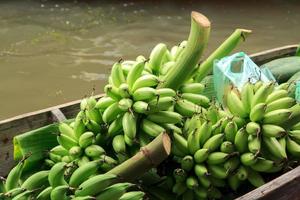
column 201, row 193
column 65, row 129
column 129, row 123
column 124, row 90
column 201, row 155
column 144, row 94
column 125, row 104
column 205, row 132
column 79, row 127
column 192, row 182
column 117, row 75
column 261, row 94
column 230, row 131
column 214, row 142
column 277, row 117
column 255, row 178
column 104, row 102
column 234, row 182
column 148, row 80
column 56, row 175
column 193, row 141
column 166, row 92
column 114, row 192
column 271, row 130
column 215, row 158
column 231, row 164
column 248, row 159
column 257, row 112
column 112, row 92
column 94, row 151
column 60, row 192
column 95, row 185
column 140, row 107
column 227, row 147
column 66, row 141
column 201, row 170
column 262, row 165
column 179, row 188
column 187, row 163
column 156, row 56
column 275, row 95
column 197, row 99
column 13, row 177
column 151, row 128
column 115, row 127
column 36, row 180
column 181, row 143
column 254, row 144
column 119, row 144
column 86, row 139
column 282, row 103
column 45, row 194
column 134, row 195
column 179, row 174
column 253, row 128
column 112, row 112
column 160, row 103
column 242, row 173
column 59, row 150
column 187, row 108
column 292, row 147
column 218, row 171
column 134, row 73
column 247, row 94
column 75, row 151
column 235, row 104
column 165, row 117
column 195, row 88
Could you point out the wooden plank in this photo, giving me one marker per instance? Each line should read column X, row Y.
column 285, row 187
column 26, row 122
column 57, row 115
column 268, row 55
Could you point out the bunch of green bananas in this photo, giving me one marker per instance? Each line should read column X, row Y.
column 67, row 181
column 219, row 148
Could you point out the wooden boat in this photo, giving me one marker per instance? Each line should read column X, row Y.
column 285, row 187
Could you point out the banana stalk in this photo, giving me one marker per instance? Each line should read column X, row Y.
column 148, row 157
column 223, row 50
column 197, row 41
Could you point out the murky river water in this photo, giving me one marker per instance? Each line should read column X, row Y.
column 53, row 52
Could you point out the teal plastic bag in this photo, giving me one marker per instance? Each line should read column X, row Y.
column 236, row 70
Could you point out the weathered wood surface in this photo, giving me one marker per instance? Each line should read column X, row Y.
column 29, row 121
column 285, row 187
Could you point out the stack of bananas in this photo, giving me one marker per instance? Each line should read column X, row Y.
column 219, row 148
column 67, row 181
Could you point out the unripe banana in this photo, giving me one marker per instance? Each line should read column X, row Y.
column 205, row 132
column 217, row 171
column 188, row 195
column 271, row 130
column 231, row 164
column 262, row 165
column 161, row 103
column 253, row 128
column 36, row 180
column 230, row 131
column 94, row 115
column 248, row 159
column 282, row 103
column 214, row 142
column 166, row 67
column 187, row 163
column 24, row 195
column 283, row 86
column 112, row 92
column 179, row 188
column 292, row 147
column 277, row 117
column 195, row 88
column 221, row 183
column 276, row 94
column 201, row 170
column 193, row 141
column 86, row 139
column 94, row 151
column 108, row 163
column 261, row 94
column 75, row 151
column 117, row 74
column 114, row 192
column 201, row 193
column 197, row 99
column 145, row 81
column 82, row 161
column 144, row 139
column 172, row 127
column 112, row 112
column 187, row 108
column 254, row 144
column 59, row 150
column 134, row 195
column 166, row 92
column 54, row 157
column 125, row 104
column 227, row 147
column 140, row 107
column 45, row 194
column 257, row 112
column 165, row 117
column 95, row 185
column 235, row 104
column 215, row 158
column 129, row 125
column 104, row 102
column 134, row 73
column 79, row 127
column 192, row 182
column 119, row 144
column 93, row 126
column 56, row 175
column 144, row 94
column 151, row 128
column 60, row 192
column 242, row 173
column 12, row 193
column 115, row 127
column 212, row 114
column 234, row 182
column 201, row 155
column 295, row 134
column 129, row 141
column 14, row 176
column 49, row 163
column 180, row 175
column 247, row 94
column 66, row 141
column 65, row 129
column 255, row 178
column 124, row 90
